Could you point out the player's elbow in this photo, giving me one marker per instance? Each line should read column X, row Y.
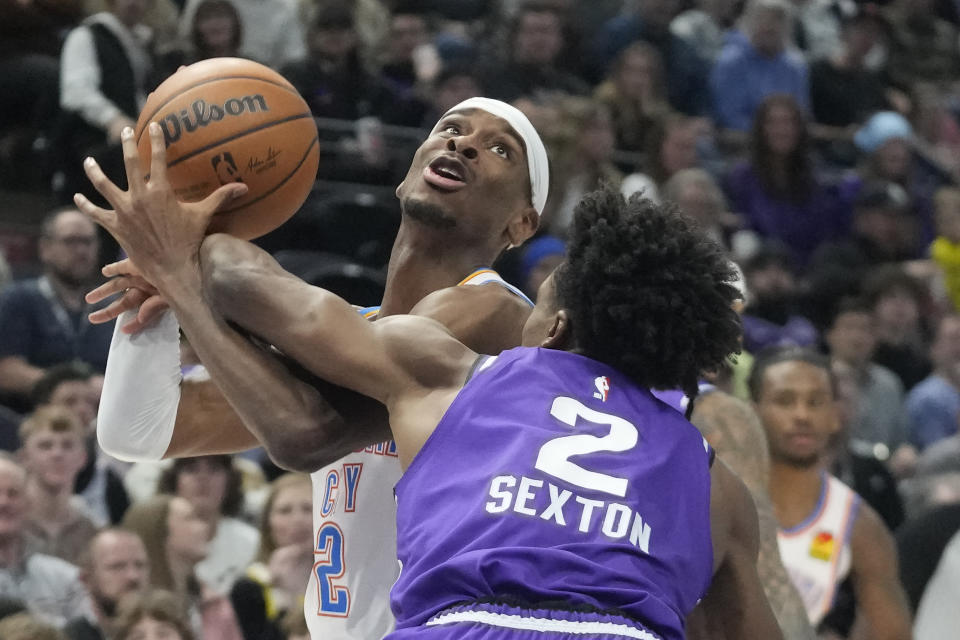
column 226, row 263
column 307, row 441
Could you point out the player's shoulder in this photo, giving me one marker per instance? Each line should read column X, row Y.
column 474, row 298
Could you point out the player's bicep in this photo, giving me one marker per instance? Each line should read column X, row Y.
column 735, row 605
column 882, row 610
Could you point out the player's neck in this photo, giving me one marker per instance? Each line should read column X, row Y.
column 424, row 262
column 795, row 492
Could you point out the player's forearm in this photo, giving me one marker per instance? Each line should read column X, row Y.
column 17, row 375
column 284, row 414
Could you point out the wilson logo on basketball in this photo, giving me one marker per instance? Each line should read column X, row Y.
column 201, row 114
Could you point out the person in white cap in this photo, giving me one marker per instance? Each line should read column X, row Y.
column 476, row 186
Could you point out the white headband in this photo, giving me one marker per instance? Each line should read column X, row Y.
column 536, row 153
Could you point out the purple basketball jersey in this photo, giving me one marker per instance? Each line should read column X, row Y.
column 554, row 480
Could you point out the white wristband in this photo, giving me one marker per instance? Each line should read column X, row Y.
column 141, row 390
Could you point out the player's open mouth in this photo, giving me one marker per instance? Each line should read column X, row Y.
column 446, row 173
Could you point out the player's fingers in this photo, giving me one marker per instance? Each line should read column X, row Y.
column 151, row 310
column 104, row 217
column 101, row 182
column 130, row 300
column 131, row 161
column 123, row 267
column 221, row 197
column 106, row 290
column 158, row 155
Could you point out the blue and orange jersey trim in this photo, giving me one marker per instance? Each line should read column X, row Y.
column 478, row 277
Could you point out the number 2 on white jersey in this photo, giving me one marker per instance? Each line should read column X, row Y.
column 554, row 456
column 334, row 600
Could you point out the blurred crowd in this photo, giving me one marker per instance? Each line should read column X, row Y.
column 817, row 140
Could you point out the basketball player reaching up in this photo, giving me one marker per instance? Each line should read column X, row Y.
column 249, row 288
column 502, row 534
column 450, row 229
column 826, row 531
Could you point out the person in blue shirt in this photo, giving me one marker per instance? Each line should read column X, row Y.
column 758, row 65
column 934, row 404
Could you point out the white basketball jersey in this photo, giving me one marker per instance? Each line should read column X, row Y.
column 817, row 552
column 355, row 535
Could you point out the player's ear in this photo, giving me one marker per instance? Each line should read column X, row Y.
column 559, row 336
column 523, row 226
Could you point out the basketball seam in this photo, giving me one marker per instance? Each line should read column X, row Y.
column 208, row 81
column 239, row 134
column 293, row 172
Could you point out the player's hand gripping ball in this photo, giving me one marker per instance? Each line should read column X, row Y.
column 233, row 120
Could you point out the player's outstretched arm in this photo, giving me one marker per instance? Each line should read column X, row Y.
column 735, row 607
column 882, row 610
column 732, row 428
column 163, row 237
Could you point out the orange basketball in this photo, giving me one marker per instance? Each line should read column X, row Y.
column 233, row 120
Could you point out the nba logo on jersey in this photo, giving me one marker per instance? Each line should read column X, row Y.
column 602, row 383
column 822, row 546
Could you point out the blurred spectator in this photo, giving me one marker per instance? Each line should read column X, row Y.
column 937, row 128
column 272, row 31
column 582, row 144
column 275, row 583
column 922, row 46
column 409, row 31
column 945, row 250
column 817, row 27
column 72, row 386
column 699, row 196
column 535, row 42
column 176, row 538
column 217, row 32
column 881, row 417
column 887, row 141
column 540, row 257
column 44, row 321
column 856, row 466
column 838, row 268
column 704, row 27
column 30, row 41
column 897, row 300
column 636, row 95
column 671, row 147
column 333, row 79
column 5, row 274
column 213, row 486
column 826, row 531
column 749, row 70
column 294, row 626
column 934, row 404
column 48, row 586
column 154, row 615
column 454, row 83
column 844, row 91
column 114, row 566
column 686, row 73
column 53, row 453
column 23, row 626
column 777, row 190
column 772, row 317
column 105, row 68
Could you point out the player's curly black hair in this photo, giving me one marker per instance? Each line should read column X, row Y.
column 647, row 292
